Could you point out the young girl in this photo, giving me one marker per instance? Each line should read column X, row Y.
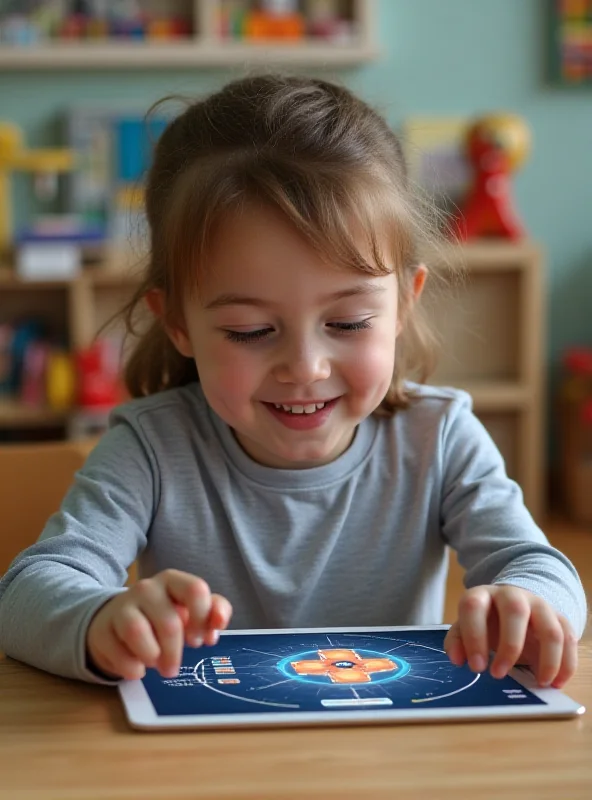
column 278, row 468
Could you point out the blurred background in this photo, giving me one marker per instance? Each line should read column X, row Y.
column 457, row 79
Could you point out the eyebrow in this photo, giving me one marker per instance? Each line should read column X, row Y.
column 360, row 289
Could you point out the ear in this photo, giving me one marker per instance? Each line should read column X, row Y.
column 419, row 278
column 177, row 334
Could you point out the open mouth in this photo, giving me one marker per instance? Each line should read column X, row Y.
column 311, row 408
column 302, row 417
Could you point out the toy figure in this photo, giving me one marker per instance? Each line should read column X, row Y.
column 496, row 146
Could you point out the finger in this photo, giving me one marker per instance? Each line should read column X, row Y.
column 569, row 662
column 221, row 612
column 135, row 632
column 218, row 619
column 473, row 610
column 454, row 646
column 548, row 631
column 182, row 612
column 156, row 605
column 513, row 611
column 194, row 594
column 119, row 661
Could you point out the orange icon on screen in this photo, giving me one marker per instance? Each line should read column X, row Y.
column 343, row 666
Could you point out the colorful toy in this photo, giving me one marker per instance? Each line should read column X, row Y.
column 324, row 19
column 77, row 20
column 275, row 19
column 571, row 41
column 99, row 379
column 497, row 145
column 15, row 156
column 60, row 379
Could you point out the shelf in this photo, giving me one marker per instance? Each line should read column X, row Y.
column 95, row 276
column 489, row 255
column 14, row 414
column 11, row 282
column 492, row 333
column 211, row 53
column 120, row 267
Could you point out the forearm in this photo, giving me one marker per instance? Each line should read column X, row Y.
column 540, row 569
column 45, row 611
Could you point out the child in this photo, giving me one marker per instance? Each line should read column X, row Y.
column 302, row 477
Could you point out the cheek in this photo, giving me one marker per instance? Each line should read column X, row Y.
column 371, row 367
column 225, row 371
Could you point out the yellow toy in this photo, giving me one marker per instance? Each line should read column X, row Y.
column 15, row 156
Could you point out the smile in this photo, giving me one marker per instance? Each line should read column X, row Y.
column 302, row 416
column 298, row 409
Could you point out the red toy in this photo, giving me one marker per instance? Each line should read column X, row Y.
column 99, row 380
column 496, row 146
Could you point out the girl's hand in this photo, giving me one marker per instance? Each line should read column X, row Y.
column 520, row 627
column 147, row 625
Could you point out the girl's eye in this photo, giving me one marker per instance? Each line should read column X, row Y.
column 248, row 337
column 350, row 327
column 251, row 337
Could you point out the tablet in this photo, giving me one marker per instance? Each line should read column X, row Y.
column 331, row 676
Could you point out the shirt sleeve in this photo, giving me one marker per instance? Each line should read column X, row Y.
column 483, row 517
column 52, row 590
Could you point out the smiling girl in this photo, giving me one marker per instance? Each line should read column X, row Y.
column 278, row 468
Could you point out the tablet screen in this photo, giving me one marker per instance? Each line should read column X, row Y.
column 336, row 671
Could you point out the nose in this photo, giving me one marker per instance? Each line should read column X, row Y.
column 302, row 364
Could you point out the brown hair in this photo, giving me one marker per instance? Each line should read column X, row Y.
column 311, row 149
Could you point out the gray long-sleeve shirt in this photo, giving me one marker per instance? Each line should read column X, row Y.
column 359, row 541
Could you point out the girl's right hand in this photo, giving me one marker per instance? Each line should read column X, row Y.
column 147, row 625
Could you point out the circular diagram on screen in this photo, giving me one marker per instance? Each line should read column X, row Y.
column 343, row 666
column 246, row 672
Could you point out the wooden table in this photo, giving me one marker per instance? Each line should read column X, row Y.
column 69, row 741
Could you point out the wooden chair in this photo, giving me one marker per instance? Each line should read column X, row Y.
column 33, row 480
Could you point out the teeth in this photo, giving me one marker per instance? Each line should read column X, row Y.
column 310, row 409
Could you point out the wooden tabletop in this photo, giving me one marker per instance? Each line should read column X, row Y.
column 65, row 740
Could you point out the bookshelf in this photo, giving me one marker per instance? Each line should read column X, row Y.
column 202, row 44
column 491, row 326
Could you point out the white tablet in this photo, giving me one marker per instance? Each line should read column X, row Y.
column 332, row 676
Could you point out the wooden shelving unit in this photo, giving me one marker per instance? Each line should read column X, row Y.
column 491, row 325
column 493, row 345
column 204, row 48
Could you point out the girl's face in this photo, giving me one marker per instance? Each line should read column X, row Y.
column 292, row 353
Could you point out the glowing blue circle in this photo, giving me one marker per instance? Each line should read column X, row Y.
column 285, row 667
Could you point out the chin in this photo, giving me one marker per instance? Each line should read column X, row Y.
column 308, row 458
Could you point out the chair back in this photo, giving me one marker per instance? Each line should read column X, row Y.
column 33, row 481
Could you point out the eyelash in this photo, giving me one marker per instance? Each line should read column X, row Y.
column 251, row 337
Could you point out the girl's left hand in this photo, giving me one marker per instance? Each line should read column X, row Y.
column 520, row 627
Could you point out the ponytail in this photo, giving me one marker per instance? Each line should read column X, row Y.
column 155, row 364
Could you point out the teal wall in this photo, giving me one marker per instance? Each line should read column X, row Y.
column 439, row 57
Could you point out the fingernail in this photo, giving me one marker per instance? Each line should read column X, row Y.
column 500, row 670
column 215, row 637
column 196, row 641
column 478, row 663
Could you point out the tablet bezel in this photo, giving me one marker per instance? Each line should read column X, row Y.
column 141, row 713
